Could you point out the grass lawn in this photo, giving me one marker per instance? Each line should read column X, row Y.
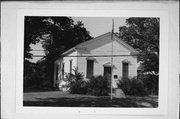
column 62, row 99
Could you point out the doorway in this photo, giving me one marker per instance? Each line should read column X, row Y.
column 107, row 71
column 107, row 74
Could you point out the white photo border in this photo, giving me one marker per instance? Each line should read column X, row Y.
column 163, row 62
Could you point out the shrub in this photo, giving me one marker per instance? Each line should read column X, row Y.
column 133, row 86
column 98, row 86
column 76, row 83
column 151, row 82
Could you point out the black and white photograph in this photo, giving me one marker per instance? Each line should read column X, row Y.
column 73, row 61
column 78, row 60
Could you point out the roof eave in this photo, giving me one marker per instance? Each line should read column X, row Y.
column 133, row 51
column 136, row 53
column 66, row 53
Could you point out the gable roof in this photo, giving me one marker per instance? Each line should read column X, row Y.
column 115, row 37
column 85, row 43
column 132, row 50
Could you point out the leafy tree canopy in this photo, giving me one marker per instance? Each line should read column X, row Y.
column 143, row 35
column 57, row 34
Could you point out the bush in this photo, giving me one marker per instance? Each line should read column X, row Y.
column 36, row 76
column 98, row 86
column 76, row 83
column 133, row 86
column 151, row 82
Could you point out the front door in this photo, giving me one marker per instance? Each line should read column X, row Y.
column 107, row 72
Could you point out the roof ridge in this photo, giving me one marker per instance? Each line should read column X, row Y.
column 100, row 37
column 74, row 48
column 96, row 38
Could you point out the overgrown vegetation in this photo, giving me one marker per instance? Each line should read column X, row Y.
column 132, row 86
column 36, row 76
column 151, row 82
column 76, row 83
column 98, row 86
column 56, row 34
column 139, row 86
column 143, row 35
column 142, row 85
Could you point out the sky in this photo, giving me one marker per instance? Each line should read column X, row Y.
column 100, row 25
column 95, row 25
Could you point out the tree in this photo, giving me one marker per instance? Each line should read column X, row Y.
column 64, row 34
column 143, row 35
column 29, row 69
column 35, row 28
column 33, row 32
column 57, row 34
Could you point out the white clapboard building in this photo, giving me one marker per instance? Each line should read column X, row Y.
column 93, row 58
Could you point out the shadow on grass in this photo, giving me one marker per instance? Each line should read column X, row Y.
column 37, row 90
column 93, row 102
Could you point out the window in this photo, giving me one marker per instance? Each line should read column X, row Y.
column 70, row 64
column 125, row 70
column 107, row 71
column 90, row 68
column 57, row 72
column 63, row 70
column 115, row 76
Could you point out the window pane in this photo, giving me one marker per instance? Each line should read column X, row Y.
column 90, row 67
column 125, row 70
column 57, row 71
column 70, row 63
column 63, row 70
